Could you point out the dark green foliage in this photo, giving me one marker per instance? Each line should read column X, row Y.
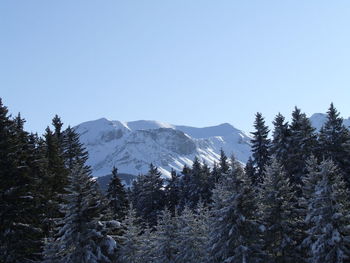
column 82, row 235
column 196, row 185
column 250, row 169
column 334, row 142
column 148, row 196
column 280, row 139
column 20, row 211
column 328, row 217
column 279, row 216
column 234, row 229
column 172, row 191
column 117, row 197
column 260, row 148
column 302, row 144
column 74, row 151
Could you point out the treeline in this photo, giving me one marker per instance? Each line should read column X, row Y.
column 290, row 203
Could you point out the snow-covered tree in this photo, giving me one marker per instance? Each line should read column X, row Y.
column 279, row 215
column 82, row 235
column 334, row 138
column 302, row 145
column 193, row 235
column 165, row 237
column 328, row 236
column 130, row 251
column 20, row 209
column 234, row 229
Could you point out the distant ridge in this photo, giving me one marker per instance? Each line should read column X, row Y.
column 132, row 146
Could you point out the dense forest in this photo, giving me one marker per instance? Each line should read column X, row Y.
column 289, row 203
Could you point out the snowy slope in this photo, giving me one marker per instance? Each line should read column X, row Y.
column 318, row 119
column 132, row 146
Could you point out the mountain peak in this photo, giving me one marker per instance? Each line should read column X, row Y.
column 131, row 146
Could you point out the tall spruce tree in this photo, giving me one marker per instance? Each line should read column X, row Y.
column 280, row 139
column 279, row 216
column 328, row 236
column 334, row 138
column 260, row 147
column 302, row 145
column 250, row 169
column 165, row 237
column 20, row 212
column 117, row 197
column 73, row 150
column 130, row 251
column 234, row 227
column 148, row 196
column 193, row 235
column 82, row 235
column 172, row 191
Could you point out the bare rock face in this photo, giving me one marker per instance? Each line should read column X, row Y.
column 132, row 146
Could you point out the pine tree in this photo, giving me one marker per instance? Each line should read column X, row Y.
column 223, row 164
column 234, row 228
column 82, row 236
column 279, row 216
column 329, row 218
column 333, row 140
column 166, row 247
column 148, row 196
column 172, row 191
column 250, row 169
column 131, row 240
column 74, row 151
column 196, row 185
column 281, row 139
column 215, row 174
column 117, row 197
column 19, row 201
column 260, row 147
column 302, row 145
column 193, row 235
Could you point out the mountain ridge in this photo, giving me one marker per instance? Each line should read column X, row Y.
column 131, row 146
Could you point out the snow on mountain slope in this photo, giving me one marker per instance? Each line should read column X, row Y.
column 132, row 146
column 318, row 119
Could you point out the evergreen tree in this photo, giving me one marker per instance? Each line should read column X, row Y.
column 250, row 169
column 131, row 240
column 82, row 236
column 329, row 218
column 193, row 235
column 260, row 147
column 302, row 145
column 234, row 228
column 223, row 164
column 281, row 139
column 333, row 140
column 20, row 215
column 74, row 151
column 279, row 216
column 117, row 197
column 172, row 190
column 215, row 174
column 166, row 247
column 148, row 196
column 196, row 185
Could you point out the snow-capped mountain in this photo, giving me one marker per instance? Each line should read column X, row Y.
column 318, row 119
column 132, row 146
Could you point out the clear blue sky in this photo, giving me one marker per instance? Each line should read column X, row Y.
column 184, row 62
